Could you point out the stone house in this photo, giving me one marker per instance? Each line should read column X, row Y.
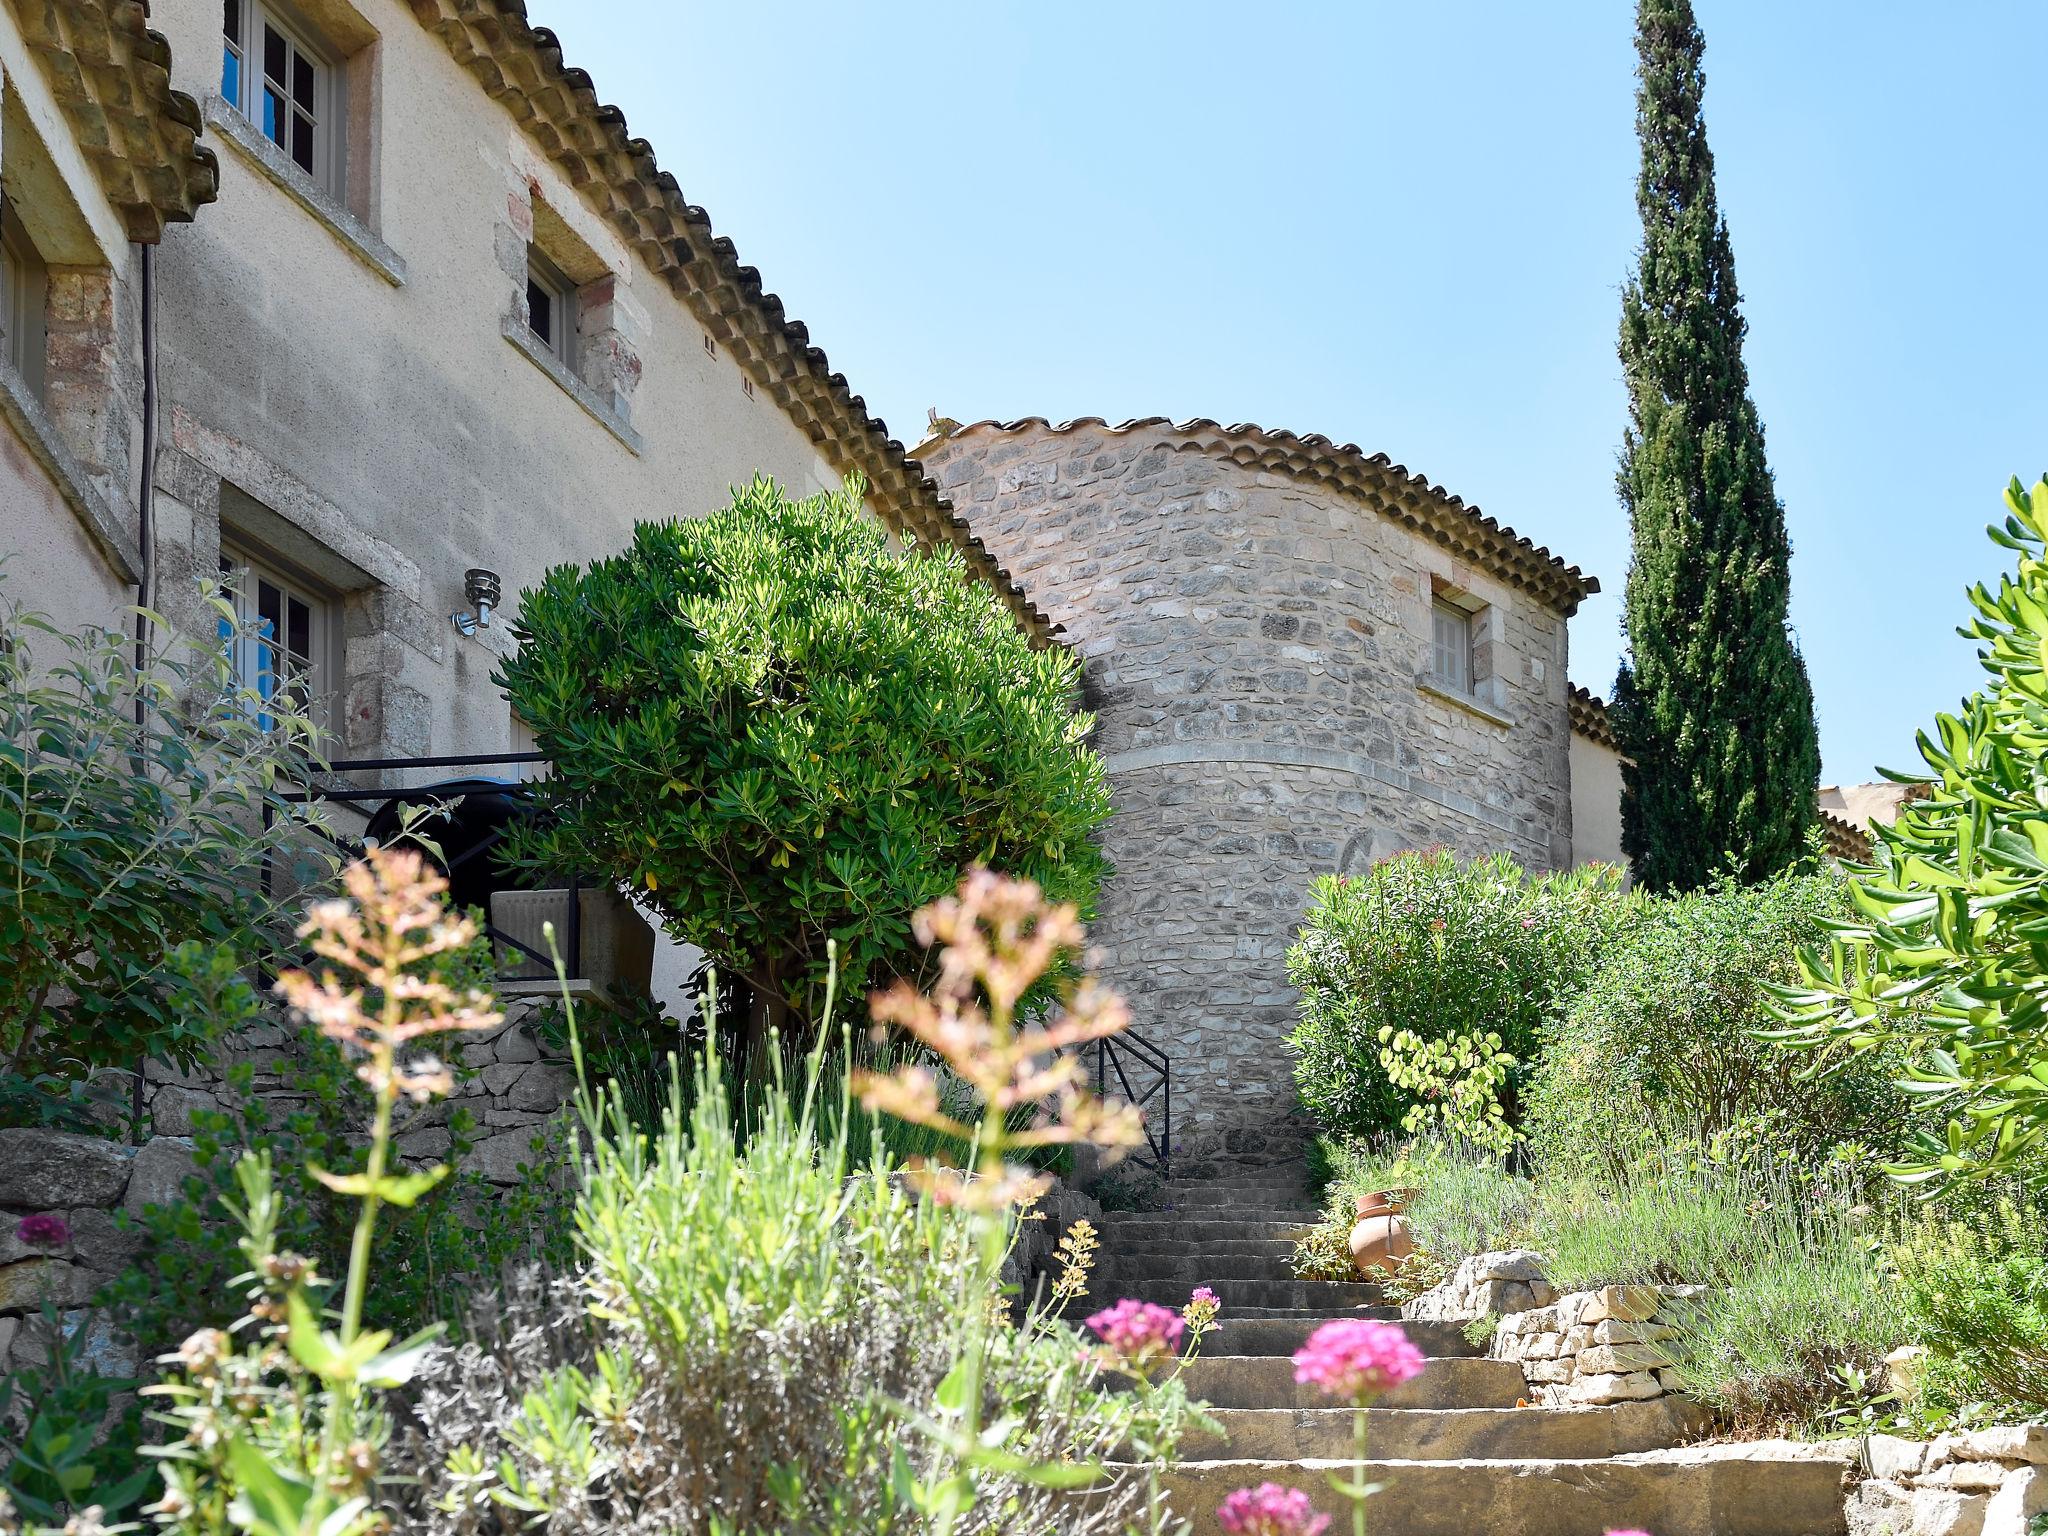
column 441, row 314
column 1302, row 658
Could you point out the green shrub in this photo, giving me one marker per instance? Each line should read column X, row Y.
column 1661, row 1048
column 1942, row 969
column 1774, row 1350
column 780, row 731
column 127, row 841
column 65, row 1447
column 1436, row 946
column 1975, row 1296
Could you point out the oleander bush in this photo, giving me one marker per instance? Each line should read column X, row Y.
column 1661, row 1047
column 785, row 734
column 1939, row 974
column 1434, row 946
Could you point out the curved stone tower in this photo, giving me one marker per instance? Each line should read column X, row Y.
column 1302, row 658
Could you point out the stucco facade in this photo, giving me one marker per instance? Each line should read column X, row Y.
column 442, row 312
column 1255, row 611
column 97, row 154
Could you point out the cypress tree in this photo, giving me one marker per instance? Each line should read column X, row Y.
column 1712, row 707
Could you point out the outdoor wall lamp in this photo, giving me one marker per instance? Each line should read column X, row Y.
column 480, row 587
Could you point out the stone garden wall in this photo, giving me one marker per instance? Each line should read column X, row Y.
column 65, row 1204
column 1252, row 640
column 1984, row 1482
column 70, row 1204
column 1610, row 1345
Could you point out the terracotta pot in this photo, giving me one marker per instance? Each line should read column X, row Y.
column 1384, row 1202
column 1380, row 1239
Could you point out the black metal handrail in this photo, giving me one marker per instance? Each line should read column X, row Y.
column 1129, row 1049
column 572, row 956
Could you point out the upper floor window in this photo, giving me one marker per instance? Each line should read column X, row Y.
column 1450, row 661
column 551, row 306
column 24, row 291
column 281, row 638
column 283, row 81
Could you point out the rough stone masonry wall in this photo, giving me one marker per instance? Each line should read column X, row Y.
column 1981, row 1482
column 98, row 1188
column 1584, row 1348
column 1252, row 644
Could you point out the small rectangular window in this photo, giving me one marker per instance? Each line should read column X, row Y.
column 550, row 304
column 279, row 78
column 24, row 294
column 1451, row 647
column 279, row 634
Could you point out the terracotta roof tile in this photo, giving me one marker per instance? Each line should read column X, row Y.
column 1589, row 717
column 1409, row 498
column 112, row 76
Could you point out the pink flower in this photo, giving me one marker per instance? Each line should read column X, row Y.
column 1138, row 1332
column 1629, row 1532
column 1357, row 1359
column 1204, row 1297
column 45, row 1229
column 1270, row 1510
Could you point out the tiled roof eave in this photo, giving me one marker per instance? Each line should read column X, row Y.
column 1590, row 719
column 111, row 75
column 521, row 67
column 1410, row 499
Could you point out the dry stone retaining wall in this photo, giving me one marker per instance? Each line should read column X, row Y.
column 1984, row 1482
column 63, row 1198
column 98, row 1187
column 1253, row 642
column 1611, row 1345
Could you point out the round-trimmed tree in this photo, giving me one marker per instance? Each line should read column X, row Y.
column 778, row 729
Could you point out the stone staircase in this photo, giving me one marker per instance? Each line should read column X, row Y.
column 1458, row 1449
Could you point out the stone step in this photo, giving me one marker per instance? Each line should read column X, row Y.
column 1131, row 1246
column 1202, row 1227
column 1267, row 1381
column 1771, row 1488
column 1193, row 1268
column 1452, row 1434
column 1334, row 1296
column 1191, row 1197
column 1286, row 1331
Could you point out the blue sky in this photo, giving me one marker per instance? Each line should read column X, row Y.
column 1406, row 226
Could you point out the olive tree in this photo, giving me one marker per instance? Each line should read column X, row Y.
column 781, row 732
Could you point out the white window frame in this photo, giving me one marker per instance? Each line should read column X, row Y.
column 1451, row 647
column 256, row 662
column 558, row 335
column 328, row 105
column 24, row 301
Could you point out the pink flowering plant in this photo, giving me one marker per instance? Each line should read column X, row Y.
column 1355, row 1361
column 1000, row 944
column 1270, row 1510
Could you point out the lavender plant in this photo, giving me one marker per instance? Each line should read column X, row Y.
column 757, row 1311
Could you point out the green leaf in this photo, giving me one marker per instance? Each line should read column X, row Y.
column 270, row 1500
